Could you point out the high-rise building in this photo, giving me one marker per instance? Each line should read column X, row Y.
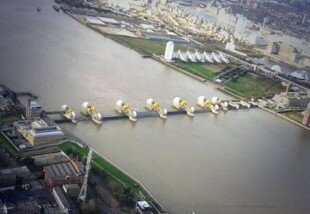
column 169, row 51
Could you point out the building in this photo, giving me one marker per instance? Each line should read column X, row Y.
column 305, row 60
column 230, row 46
column 257, row 40
column 63, row 201
column 3, row 208
column 62, row 173
column 273, row 48
column 25, row 206
column 296, row 55
column 169, row 51
column 51, row 209
column 72, row 190
column 39, row 132
column 34, row 110
column 50, row 158
column 292, row 99
column 143, row 207
column 10, row 178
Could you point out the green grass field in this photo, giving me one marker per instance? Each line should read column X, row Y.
column 141, row 45
column 250, row 86
column 200, row 70
column 99, row 162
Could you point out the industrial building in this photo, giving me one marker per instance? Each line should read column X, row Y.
column 39, row 132
column 63, row 201
column 10, row 178
column 230, row 46
column 34, row 110
column 62, row 173
column 143, row 207
column 292, row 99
column 284, row 52
column 72, row 190
column 22, row 207
column 50, row 158
column 273, row 48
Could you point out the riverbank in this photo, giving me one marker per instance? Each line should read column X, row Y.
column 124, row 187
column 285, row 117
column 123, row 182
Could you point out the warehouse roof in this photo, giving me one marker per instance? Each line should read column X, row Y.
column 64, row 200
column 15, row 171
column 61, row 170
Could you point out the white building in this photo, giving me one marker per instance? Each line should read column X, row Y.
column 143, row 207
column 169, row 51
column 257, row 39
column 243, row 29
column 230, row 46
column 39, row 132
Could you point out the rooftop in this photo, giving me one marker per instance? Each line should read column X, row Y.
column 53, row 158
column 15, row 170
column 61, row 170
column 64, row 199
column 34, row 104
column 71, row 186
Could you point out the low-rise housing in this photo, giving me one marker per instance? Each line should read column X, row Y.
column 22, row 207
column 13, row 177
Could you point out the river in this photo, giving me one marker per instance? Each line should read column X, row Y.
column 246, row 161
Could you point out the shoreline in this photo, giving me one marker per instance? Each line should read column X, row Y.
column 82, row 144
column 284, row 117
column 194, row 76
